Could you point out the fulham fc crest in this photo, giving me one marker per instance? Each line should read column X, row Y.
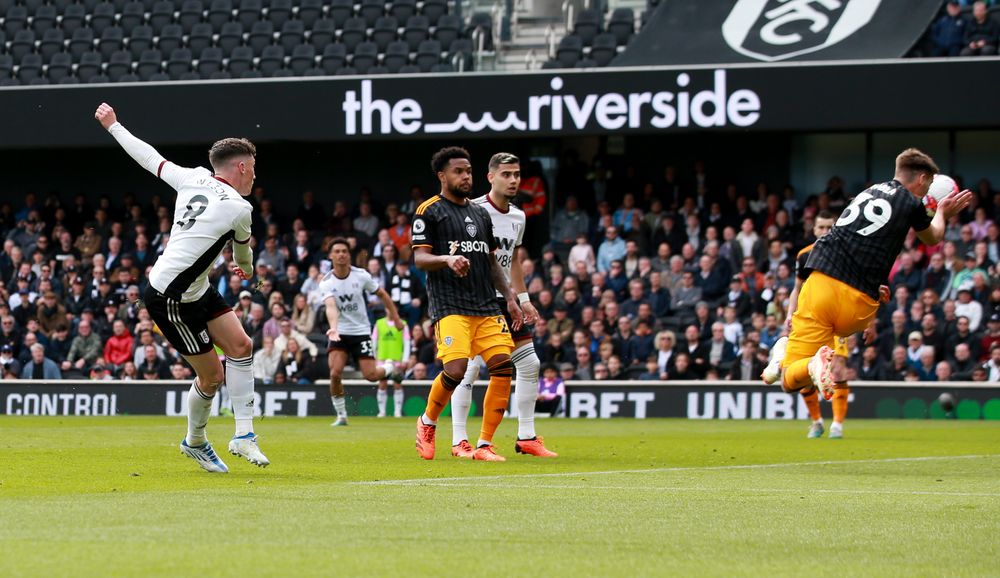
column 772, row 30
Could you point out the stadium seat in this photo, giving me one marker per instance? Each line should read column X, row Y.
column 59, row 4
column 189, row 75
column 279, row 12
column 141, row 39
column 44, row 19
column 347, row 71
column 119, row 64
column 552, row 64
column 191, row 13
column 324, row 32
column 73, row 18
column 484, row 22
column 604, row 49
column 171, row 38
column 133, row 14
column 365, row 56
column 442, row 67
column 220, row 12
column 60, row 66
column 354, row 33
column 340, row 11
column 16, row 19
column 220, row 75
column 38, row 81
column 90, row 65
column 112, row 40
column 209, row 61
column 371, row 10
column 53, row 41
column 401, row 10
column 240, row 60
column 293, row 33
column 98, row 79
column 159, row 77
column 449, row 27
column 416, row 31
column 230, row 36
column 179, row 62
column 200, row 37
column 102, row 17
column 9, row 81
column 622, row 25
column 150, row 62
column 314, row 71
column 377, row 70
column 82, row 41
column 570, row 50
column 463, row 47
column 251, row 74
column 261, row 36
column 32, row 5
column 23, row 43
column 334, row 57
column 249, row 12
column 282, row 73
column 6, row 65
column 397, row 55
column 309, row 11
column 409, row 69
column 434, row 9
column 130, row 77
column 587, row 26
column 30, row 68
column 585, row 63
column 385, row 31
column 69, row 80
column 161, row 15
column 272, row 58
column 303, row 58
column 428, row 54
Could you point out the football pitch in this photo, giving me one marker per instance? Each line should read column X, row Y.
column 114, row 497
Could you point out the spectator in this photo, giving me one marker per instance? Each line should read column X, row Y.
column 749, row 365
column 296, row 362
column 925, row 365
column 584, row 369
column 560, row 323
column 303, row 316
column 152, row 366
column 601, row 372
column 40, row 366
column 8, row 362
column 963, row 334
column 406, row 292
column 130, row 372
column 718, row 353
column 942, row 372
column 288, row 333
column 966, row 307
column 366, row 222
column 981, row 33
column 612, row 249
column 990, row 337
column 266, row 361
column 100, row 372
column 682, row 370
column 963, row 363
column 582, row 255
column 118, row 347
column 551, row 390
column 992, row 367
column 568, row 225
column 897, row 367
column 84, row 350
column 948, row 31
column 869, row 368
column 915, row 347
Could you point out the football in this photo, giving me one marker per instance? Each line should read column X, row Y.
column 940, row 187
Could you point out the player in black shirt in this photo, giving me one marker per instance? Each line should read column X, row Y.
column 848, row 265
column 453, row 241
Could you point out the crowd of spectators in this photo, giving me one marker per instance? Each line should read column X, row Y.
column 680, row 276
column 958, row 32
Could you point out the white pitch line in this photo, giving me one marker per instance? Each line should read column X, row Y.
column 419, row 481
column 707, row 489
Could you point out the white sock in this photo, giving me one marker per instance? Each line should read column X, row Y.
column 427, row 421
column 482, row 443
column 397, row 401
column 382, row 396
column 199, row 408
column 339, row 405
column 239, row 381
column 461, row 401
column 526, row 389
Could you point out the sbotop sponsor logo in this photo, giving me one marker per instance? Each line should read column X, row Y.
column 687, row 103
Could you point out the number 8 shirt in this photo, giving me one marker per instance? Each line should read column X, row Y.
column 864, row 243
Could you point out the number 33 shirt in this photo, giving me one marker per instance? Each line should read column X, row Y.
column 208, row 213
column 868, row 236
column 351, row 295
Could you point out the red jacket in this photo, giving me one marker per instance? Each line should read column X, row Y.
column 118, row 349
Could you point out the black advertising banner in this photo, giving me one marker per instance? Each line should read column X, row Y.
column 784, row 97
column 638, row 400
column 777, row 30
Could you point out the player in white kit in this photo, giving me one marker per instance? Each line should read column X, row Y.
column 209, row 212
column 345, row 292
column 508, row 228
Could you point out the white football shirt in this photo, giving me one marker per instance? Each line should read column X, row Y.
column 350, row 293
column 208, row 213
column 508, row 229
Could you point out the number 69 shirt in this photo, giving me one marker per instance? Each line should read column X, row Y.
column 350, row 293
column 208, row 213
column 868, row 236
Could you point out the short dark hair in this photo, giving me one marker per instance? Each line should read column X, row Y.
column 503, row 159
column 340, row 241
column 916, row 160
column 441, row 158
column 825, row 214
column 229, row 148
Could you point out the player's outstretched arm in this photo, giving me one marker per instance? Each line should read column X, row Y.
column 333, row 318
column 144, row 154
column 953, row 204
column 427, row 261
column 390, row 308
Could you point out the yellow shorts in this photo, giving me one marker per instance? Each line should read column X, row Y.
column 828, row 309
column 465, row 336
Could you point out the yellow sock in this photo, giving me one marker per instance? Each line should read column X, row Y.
column 797, row 375
column 497, row 396
column 840, row 393
column 812, row 403
column 440, row 395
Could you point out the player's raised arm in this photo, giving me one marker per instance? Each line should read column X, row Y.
column 144, row 154
column 948, row 207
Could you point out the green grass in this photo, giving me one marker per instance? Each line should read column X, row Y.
column 114, row 497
